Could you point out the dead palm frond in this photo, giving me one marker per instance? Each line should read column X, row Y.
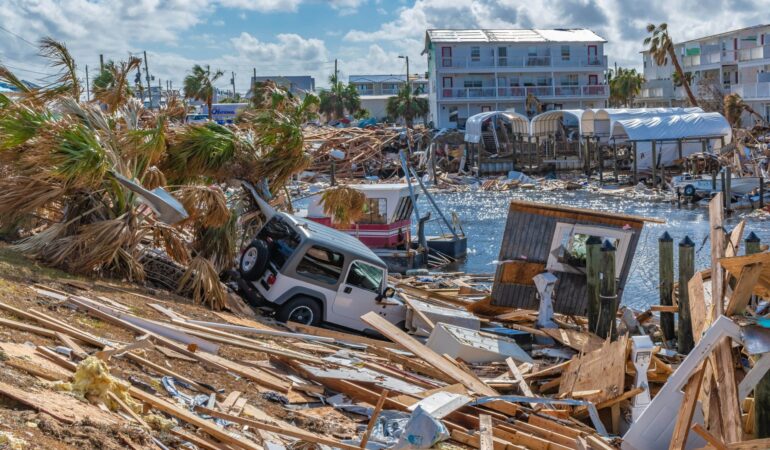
column 153, row 178
column 20, row 195
column 343, row 204
column 734, row 108
column 217, row 244
column 171, row 241
column 205, row 204
column 60, row 58
column 175, row 108
column 116, row 93
column 93, row 246
column 202, row 280
column 661, row 48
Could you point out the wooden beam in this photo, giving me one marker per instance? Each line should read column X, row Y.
column 341, row 336
column 686, row 410
column 434, row 359
column 485, row 432
column 373, row 418
column 744, row 288
column 429, row 323
column 710, row 438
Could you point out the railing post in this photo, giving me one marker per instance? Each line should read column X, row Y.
column 666, row 276
column 608, row 293
column 654, row 165
column 685, row 341
column 593, row 256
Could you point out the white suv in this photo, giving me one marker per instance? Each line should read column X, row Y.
column 310, row 273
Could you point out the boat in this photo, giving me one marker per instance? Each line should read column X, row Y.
column 386, row 228
column 699, row 181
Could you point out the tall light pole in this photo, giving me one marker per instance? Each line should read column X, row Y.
column 407, row 68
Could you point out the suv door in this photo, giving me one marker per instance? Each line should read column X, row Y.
column 357, row 295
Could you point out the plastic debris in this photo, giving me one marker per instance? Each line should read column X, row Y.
column 421, row 431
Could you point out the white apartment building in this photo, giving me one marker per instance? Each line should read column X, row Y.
column 472, row 71
column 737, row 61
column 374, row 90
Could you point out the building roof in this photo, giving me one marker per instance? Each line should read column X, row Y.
column 718, row 35
column 381, row 78
column 514, row 36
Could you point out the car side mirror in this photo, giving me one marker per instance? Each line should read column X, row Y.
column 387, row 293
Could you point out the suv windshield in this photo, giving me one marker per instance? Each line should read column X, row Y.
column 365, row 276
column 282, row 240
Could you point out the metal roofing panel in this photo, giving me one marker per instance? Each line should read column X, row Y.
column 515, row 35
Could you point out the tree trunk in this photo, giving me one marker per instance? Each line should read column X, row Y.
column 685, row 84
column 209, row 101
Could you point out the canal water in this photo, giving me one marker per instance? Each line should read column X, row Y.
column 483, row 215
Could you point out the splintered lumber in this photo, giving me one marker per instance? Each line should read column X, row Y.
column 579, row 340
column 165, row 371
column 197, row 440
column 744, row 288
column 686, row 410
column 699, row 314
column 396, row 335
column 581, row 412
column 64, row 408
column 302, row 435
column 373, row 418
column 549, row 435
column 340, row 336
column 187, row 416
column 736, row 264
column 604, row 368
column 485, row 432
column 710, row 438
column 425, row 319
column 528, row 440
column 473, row 441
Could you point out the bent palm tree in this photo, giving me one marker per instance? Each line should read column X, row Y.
column 734, row 108
column 407, row 105
column 199, row 85
column 112, row 86
column 662, row 49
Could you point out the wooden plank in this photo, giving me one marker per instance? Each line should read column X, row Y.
column 754, row 444
column 69, row 342
column 341, row 336
column 373, row 418
column 744, row 288
column 187, row 416
column 165, row 371
column 582, row 412
column 710, row 438
column 525, row 439
column 197, row 440
column 425, row 319
column 302, row 435
column 699, row 314
column 604, row 368
column 552, row 425
column 686, row 410
column 546, row 434
column 229, row 401
column 519, row 380
column 664, row 308
column 27, row 327
column 434, row 359
column 485, row 432
column 734, row 242
column 579, row 340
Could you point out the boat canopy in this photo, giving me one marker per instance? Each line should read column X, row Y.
column 519, row 124
column 691, row 126
column 603, row 120
column 549, row 122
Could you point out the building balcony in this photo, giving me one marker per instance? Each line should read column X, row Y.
column 521, row 92
column 726, row 57
column 752, row 91
column 520, row 62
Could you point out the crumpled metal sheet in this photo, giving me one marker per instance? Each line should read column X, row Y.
column 756, row 339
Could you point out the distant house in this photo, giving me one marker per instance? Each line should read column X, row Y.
column 299, row 85
column 735, row 61
column 374, row 90
column 474, row 71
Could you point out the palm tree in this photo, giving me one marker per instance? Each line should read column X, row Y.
column 338, row 99
column 199, row 85
column 112, row 86
column 734, row 108
column 625, row 85
column 408, row 105
column 661, row 49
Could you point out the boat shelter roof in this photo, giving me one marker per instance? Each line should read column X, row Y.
column 674, row 127
column 519, row 124
column 549, row 122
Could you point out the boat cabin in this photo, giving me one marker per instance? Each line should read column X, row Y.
column 387, row 215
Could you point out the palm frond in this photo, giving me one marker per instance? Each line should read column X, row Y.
column 172, row 242
column 20, row 123
column 153, row 178
column 206, row 204
column 79, row 158
column 20, row 195
column 117, row 92
column 200, row 150
column 217, row 244
column 344, row 204
column 60, row 58
column 202, row 280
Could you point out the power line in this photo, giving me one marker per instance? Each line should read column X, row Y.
column 16, row 35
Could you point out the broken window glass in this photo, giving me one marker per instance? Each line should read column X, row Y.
column 321, row 264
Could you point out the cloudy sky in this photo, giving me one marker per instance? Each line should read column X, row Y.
column 297, row 37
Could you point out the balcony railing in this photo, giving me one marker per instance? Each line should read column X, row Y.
column 521, row 62
column 752, row 90
column 521, row 92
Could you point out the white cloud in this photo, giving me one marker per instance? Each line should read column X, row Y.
column 263, row 5
column 346, row 7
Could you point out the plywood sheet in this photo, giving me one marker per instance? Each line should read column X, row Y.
column 521, row 272
column 603, row 368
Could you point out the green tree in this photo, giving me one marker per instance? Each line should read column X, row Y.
column 112, row 86
column 407, row 105
column 338, row 99
column 661, row 49
column 625, row 85
column 199, row 85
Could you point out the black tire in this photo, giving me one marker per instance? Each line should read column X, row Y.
column 301, row 309
column 254, row 259
column 689, row 191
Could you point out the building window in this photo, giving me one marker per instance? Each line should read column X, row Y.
column 453, row 114
column 565, row 52
column 502, row 56
column 570, row 79
column 321, row 264
column 531, row 51
column 472, row 83
column 475, row 54
column 542, row 80
column 375, row 211
column 486, row 108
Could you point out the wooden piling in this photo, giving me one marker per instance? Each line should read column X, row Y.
column 666, row 276
column 615, row 161
column 654, row 165
column 762, row 389
column 593, row 257
column 636, row 171
column 608, row 293
column 685, row 341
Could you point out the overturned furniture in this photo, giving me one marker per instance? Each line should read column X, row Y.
column 552, row 238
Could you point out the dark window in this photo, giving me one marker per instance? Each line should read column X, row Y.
column 321, row 264
column 375, row 211
column 403, row 209
column 282, row 240
column 365, row 276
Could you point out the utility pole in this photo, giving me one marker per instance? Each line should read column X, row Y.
column 336, row 80
column 232, row 81
column 147, row 75
column 254, row 84
column 88, row 88
column 101, row 63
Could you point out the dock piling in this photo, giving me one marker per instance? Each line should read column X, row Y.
column 685, row 341
column 666, row 274
column 608, row 293
column 593, row 256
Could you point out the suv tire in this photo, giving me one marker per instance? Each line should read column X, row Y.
column 304, row 310
column 254, row 259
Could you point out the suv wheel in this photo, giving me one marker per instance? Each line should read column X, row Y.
column 254, row 260
column 304, row 310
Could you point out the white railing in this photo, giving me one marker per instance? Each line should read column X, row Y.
column 753, row 53
column 520, row 92
column 752, row 90
column 520, row 62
